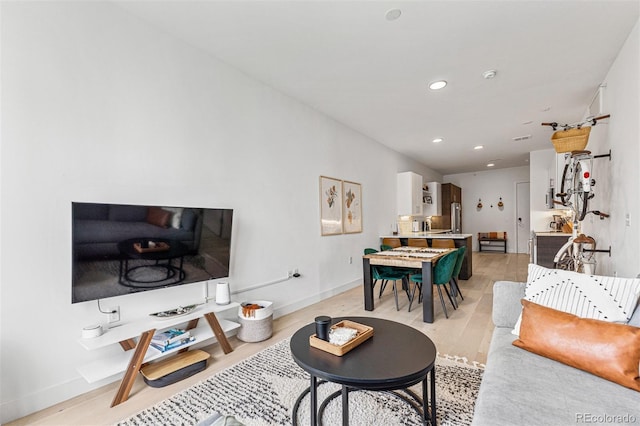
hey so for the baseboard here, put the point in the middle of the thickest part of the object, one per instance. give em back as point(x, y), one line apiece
point(295, 306)
point(45, 398)
point(17, 408)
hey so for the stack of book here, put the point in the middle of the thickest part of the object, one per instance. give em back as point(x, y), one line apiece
point(171, 339)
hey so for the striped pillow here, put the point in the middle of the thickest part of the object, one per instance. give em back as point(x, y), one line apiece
point(609, 299)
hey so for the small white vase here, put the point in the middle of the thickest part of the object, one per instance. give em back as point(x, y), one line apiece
point(223, 296)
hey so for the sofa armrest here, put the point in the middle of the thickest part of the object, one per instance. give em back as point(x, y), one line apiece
point(506, 302)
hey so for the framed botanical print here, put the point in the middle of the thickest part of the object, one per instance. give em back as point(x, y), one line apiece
point(330, 206)
point(352, 207)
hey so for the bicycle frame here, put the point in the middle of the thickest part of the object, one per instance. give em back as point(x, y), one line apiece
point(577, 182)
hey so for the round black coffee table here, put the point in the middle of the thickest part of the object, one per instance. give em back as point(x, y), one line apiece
point(161, 259)
point(395, 358)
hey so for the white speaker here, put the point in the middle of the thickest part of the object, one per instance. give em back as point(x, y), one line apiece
point(223, 296)
point(91, 331)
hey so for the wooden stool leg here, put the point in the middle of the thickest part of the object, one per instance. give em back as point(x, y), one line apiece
point(217, 330)
point(134, 366)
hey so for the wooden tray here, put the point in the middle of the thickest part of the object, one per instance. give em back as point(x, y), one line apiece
point(158, 247)
point(364, 333)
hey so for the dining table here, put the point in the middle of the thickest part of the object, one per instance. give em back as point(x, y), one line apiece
point(423, 258)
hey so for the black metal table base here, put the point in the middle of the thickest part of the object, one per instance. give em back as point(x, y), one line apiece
point(174, 274)
point(419, 405)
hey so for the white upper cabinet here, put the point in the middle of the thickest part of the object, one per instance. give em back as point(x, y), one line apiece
point(409, 200)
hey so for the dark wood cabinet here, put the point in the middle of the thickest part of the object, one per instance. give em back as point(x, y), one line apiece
point(450, 194)
point(546, 248)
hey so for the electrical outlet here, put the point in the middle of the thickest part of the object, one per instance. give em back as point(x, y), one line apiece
point(114, 314)
point(350, 260)
point(627, 219)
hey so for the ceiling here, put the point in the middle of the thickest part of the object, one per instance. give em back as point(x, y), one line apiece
point(345, 59)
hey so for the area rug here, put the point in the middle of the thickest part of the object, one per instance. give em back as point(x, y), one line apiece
point(262, 390)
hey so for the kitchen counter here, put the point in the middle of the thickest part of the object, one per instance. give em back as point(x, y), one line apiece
point(552, 234)
point(431, 234)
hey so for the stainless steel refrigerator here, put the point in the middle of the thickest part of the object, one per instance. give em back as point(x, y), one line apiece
point(456, 218)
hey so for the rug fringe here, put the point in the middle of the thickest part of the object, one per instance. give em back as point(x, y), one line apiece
point(462, 360)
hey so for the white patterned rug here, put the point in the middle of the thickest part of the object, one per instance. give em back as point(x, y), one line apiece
point(262, 390)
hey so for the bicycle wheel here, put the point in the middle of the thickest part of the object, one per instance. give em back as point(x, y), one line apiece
point(565, 184)
point(564, 258)
point(581, 197)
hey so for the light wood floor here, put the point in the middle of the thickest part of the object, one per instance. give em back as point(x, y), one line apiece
point(466, 333)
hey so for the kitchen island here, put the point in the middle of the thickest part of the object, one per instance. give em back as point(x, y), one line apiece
point(460, 240)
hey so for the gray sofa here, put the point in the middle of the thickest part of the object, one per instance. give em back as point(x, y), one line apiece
point(522, 388)
point(98, 228)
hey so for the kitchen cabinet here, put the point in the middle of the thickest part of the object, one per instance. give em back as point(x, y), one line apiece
point(450, 194)
point(409, 198)
point(431, 196)
point(546, 246)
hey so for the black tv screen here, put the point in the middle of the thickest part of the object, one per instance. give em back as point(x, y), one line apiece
point(122, 248)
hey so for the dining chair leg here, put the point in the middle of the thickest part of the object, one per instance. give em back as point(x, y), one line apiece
point(395, 294)
point(382, 287)
point(444, 308)
point(417, 286)
point(455, 287)
point(454, 302)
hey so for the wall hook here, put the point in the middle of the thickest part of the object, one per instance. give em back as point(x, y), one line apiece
point(500, 203)
point(479, 206)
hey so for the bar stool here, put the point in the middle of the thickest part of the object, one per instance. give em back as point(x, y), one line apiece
point(417, 242)
point(440, 243)
point(392, 242)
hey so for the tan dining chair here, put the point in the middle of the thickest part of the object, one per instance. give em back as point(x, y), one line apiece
point(438, 243)
point(391, 242)
point(418, 242)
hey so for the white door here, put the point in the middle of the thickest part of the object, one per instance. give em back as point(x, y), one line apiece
point(522, 217)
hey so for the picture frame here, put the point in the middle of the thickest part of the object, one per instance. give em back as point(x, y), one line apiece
point(352, 207)
point(330, 206)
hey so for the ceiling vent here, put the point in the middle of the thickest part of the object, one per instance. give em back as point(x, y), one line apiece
point(521, 138)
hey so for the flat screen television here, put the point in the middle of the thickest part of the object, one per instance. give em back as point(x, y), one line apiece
point(122, 248)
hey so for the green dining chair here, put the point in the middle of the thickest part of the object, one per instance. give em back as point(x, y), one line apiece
point(455, 288)
point(442, 273)
point(394, 276)
point(384, 247)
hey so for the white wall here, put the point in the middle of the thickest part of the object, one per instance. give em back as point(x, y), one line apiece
point(489, 186)
point(617, 191)
point(98, 106)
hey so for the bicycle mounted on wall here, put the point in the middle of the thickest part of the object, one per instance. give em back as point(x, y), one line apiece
point(575, 192)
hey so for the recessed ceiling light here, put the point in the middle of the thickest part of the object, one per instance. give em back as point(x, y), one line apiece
point(478, 147)
point(488, 75)
point(490, 165)
point(437, 140)
point(393, 14)
point(437, 85)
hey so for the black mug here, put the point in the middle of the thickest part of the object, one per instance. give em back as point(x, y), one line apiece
point(322, 327)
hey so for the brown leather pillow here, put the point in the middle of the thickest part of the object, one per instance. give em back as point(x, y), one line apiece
point(159, 217)
point(608, 350)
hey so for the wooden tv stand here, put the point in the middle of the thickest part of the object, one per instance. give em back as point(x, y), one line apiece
point(137, 335)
